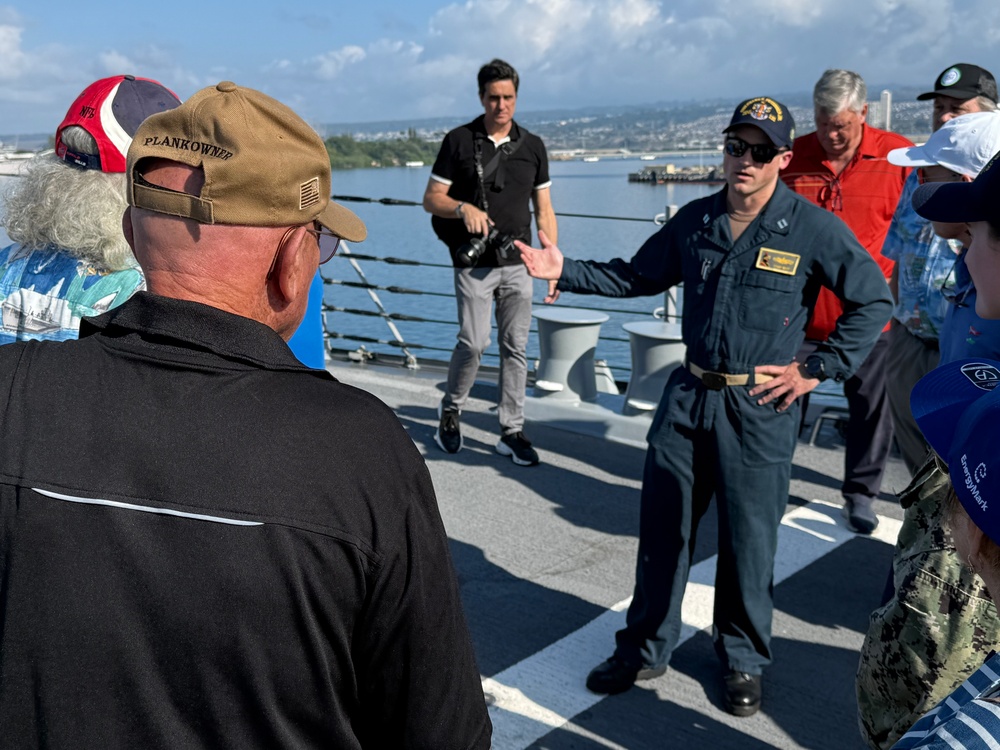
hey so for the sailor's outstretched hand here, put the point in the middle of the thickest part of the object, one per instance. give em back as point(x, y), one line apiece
point(553, 294)
point(545, 263)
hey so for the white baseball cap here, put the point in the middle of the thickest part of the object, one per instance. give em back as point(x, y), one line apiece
point(964, 144)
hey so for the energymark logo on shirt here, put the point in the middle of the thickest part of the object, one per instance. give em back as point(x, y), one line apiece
point(778, 261)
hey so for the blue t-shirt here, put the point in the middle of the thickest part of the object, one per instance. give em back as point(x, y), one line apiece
point(964, 333)
point(307, 344)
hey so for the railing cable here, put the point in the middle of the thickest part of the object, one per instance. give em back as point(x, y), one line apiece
point(411, 361)
point(400, 202)
point(397, 341)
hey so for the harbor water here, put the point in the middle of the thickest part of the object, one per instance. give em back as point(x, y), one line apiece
point(588, 189)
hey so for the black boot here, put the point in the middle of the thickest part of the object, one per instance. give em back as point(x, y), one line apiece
point(743, 693)
point(616, 675)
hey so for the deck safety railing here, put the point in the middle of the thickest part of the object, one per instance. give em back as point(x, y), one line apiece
point(347, 271)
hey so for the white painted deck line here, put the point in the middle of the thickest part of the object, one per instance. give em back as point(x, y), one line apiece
point(546, 690)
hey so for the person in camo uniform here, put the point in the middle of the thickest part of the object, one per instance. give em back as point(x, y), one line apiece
point(934, 632)
point(939, 621)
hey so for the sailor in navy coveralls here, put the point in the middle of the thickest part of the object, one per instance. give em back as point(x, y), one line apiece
point(752, 259)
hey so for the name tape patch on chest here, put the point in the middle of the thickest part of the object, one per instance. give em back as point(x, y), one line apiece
point(778, 261)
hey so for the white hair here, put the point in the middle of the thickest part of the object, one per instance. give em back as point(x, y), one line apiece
point(76, 210)
point(985, 103)
point(837, 90)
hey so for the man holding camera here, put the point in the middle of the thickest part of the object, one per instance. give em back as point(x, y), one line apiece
point(480, 186)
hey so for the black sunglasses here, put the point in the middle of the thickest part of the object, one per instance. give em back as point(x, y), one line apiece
point(762, 153)
point(328, 242)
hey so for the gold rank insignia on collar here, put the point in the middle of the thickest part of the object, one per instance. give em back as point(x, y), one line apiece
point(778, 261)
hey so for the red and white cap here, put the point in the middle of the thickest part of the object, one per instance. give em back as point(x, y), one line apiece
point(111, 110)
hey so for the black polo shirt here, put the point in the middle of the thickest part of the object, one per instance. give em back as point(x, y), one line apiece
point(204, 543)
point(508, 188)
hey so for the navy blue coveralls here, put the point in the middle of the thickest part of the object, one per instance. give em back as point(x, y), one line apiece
point(745, 304)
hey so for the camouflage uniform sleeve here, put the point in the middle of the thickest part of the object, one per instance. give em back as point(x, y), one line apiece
point(933, 633)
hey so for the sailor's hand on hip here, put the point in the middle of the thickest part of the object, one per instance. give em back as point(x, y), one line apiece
point(545, 263)
point(786, 384)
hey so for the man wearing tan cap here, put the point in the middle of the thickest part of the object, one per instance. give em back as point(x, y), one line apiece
point(205, 543)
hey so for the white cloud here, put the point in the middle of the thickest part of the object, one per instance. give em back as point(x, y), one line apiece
point(331, 64)
point(569, 53)
point(787, 12)
point(13, 61)
point(115, 63)
point(38, 82)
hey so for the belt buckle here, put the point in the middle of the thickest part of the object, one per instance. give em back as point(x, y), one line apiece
point(714, 381)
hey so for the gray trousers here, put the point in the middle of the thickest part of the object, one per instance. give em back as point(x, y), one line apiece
point(476, 289)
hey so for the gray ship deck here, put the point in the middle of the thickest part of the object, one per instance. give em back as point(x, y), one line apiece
point(545, 560)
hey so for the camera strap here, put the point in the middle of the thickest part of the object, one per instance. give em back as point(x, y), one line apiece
point(496, 164)
point(481, 173)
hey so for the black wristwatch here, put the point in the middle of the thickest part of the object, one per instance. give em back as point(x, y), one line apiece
point(814, 367)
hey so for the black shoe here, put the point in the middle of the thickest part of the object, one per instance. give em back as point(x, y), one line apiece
point(860, 516)
point(743, 693)
point(617, 675)
point(518, 447)
point(448, 436)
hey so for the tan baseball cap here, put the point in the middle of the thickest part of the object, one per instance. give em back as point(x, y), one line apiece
point(263, 165)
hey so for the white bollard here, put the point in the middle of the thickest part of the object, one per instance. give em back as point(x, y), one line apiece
point(657, 350)
point(567, 339)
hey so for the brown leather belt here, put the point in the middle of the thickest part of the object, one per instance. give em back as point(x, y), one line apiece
point(716, 381)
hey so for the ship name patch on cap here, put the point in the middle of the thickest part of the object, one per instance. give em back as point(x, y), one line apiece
point(982, 375)
point(763, 108)
point(778, 261)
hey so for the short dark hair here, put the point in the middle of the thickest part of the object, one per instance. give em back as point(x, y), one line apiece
point(497, 70)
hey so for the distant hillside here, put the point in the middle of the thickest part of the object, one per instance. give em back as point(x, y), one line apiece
point(656, 127)
point(662, 126)
point(348, 153)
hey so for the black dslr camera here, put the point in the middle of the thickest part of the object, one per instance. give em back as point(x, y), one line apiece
point(496, 240)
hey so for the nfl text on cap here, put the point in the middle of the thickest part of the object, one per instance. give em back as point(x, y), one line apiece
point(111, 110)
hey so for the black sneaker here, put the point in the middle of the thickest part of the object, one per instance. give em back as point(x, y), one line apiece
point(448, 436)
point(518, 447)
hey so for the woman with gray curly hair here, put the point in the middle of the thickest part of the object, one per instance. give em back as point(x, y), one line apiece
point(69, 259)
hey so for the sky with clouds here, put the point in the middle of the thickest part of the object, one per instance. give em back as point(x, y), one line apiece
point(368, 60)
